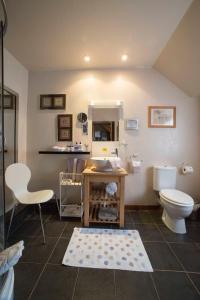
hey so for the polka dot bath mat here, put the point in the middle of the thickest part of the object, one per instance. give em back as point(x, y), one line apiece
point(107, 249)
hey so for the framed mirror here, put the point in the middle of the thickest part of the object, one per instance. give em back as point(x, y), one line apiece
point(103, 131)
point(105, 124)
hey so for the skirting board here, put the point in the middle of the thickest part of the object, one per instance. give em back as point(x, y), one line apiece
point(141, 207)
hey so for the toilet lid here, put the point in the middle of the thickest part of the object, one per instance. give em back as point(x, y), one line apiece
point(177, 197)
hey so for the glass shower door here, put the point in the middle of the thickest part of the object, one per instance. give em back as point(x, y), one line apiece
point(3, 28)
point(2, 185)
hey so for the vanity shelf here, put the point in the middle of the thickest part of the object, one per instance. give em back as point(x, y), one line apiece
point(94, 214)
point(52, 151)
point(99, 196)
point(96, 198)
point(69, 182)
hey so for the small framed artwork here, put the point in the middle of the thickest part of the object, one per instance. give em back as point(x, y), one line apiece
point(65, 134)
point(59, 101)
point(53, 101)
point(161, 116)
point(65, 121)
point(65, 127)
point(46, 102)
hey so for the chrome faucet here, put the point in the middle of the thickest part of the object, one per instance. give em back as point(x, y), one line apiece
point(116, 152)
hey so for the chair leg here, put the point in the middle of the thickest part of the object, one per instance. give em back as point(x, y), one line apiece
point(57, 203)
point(42, 223)
point(11, 218)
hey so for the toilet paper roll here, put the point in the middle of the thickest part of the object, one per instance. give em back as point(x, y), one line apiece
point(187, 170)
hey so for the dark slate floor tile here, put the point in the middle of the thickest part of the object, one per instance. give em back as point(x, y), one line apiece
point(33, 228)
point(58, 253)
point(194, 218)
point(69, 227)
point(141, 217)
point(157, 215)
point(63, 277)
point(174, 286)
point(14, 240)
point(36, 217)
point(50, 208)
point(128, 217)
point(171, 236)
point(134, 285)
point(196, 279)
point(26, 275)
point(54, 228)
point(189, 255)
point(36, 251)
point(128, 226)
point(27, 229)
point(94, 284)
point(149, 232)
point(194, 232)
point(161, 257)
point(57, 282)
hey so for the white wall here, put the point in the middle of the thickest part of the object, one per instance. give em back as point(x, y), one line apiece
point(137, 89)
point(179, 61)
point(16, 79)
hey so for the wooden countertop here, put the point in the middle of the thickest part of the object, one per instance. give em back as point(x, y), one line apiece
point(90, 172)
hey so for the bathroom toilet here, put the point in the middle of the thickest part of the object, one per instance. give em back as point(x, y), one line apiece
point(176, 204)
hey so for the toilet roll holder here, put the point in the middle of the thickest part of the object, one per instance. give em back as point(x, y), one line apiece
point(186, 168)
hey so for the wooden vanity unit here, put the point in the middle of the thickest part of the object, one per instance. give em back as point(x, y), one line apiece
point(95, 197)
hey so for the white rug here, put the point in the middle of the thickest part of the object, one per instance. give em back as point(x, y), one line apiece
point(107, 249)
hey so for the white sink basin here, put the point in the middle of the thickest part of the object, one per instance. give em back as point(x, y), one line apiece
point(108, 163)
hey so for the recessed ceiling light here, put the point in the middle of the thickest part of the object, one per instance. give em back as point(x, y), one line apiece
point(87, 58)
point(124, 57)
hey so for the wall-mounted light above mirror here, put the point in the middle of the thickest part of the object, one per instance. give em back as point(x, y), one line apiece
point(106, 104)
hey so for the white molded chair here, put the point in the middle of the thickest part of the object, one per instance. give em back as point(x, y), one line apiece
point(17, 177)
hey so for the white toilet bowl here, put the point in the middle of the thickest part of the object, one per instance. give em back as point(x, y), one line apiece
point(176, 207)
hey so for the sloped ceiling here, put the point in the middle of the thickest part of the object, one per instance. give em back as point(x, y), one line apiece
point(180, 59)
point(55, 35)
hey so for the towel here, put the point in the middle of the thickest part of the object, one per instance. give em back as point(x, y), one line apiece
point(10, 257)
point(111, 188)
point(80, 166)
point(70, 165)
point(75, 166)
point(115, 163)
point(70, 168)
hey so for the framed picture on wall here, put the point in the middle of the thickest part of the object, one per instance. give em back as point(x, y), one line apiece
point(65, 127)
point(59, 101)
point(161, 116)
point(65, 134)
point(53, 101)
point(65, 121)
point(46, 102)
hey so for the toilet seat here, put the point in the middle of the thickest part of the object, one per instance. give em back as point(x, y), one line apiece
point(176, 197)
